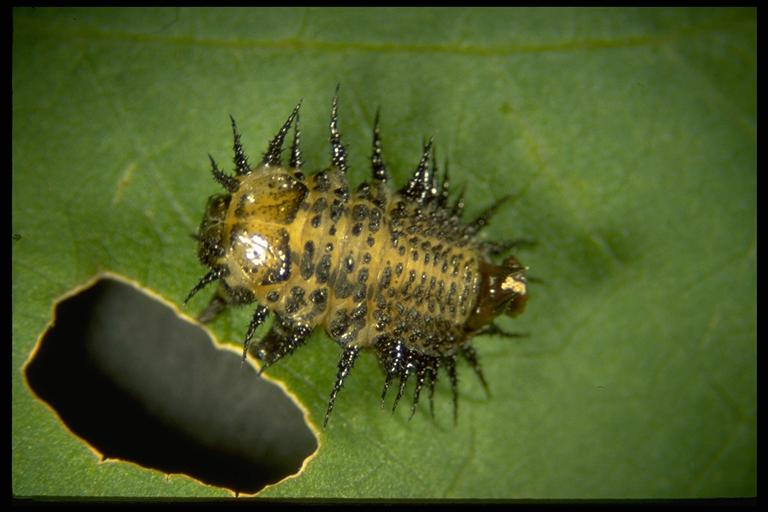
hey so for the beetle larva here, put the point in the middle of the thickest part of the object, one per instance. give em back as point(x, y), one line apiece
point(395, 272)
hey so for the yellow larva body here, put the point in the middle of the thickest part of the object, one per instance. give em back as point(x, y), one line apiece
point(395, 272)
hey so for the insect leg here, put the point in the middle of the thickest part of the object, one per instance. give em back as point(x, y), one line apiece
point(282, 339)
point(503, 246)
point(494, 329)
point(259, 315)
point(217, 304)
point(471, 356)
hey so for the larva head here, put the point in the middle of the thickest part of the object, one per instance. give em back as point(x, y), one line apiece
point(247, 229)
point(503, 290)
point(240, 237)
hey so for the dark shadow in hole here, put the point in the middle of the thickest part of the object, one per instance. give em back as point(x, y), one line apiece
point(138, 383)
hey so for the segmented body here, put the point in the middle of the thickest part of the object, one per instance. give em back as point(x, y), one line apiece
point(396, 272)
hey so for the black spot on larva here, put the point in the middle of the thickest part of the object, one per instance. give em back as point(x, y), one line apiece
point(349, 263)
point(337, 209)
point(341, 193)
point(323, 269)
point(306, 267)
point(343, 288)
point(386, 277)
point(359, 292)
point(359, 212)
point(375, 220)
point(359, 312)
point(321, 182)
point(267, 236)
point(240, 295)
point(339, 323)
point(319, 297)
point(319, 205)
point(281, 269)
point(382, 318)
point(295, 301)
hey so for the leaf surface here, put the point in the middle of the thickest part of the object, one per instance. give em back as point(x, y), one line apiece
point(627, 136)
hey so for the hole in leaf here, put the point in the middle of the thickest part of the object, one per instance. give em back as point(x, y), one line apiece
point(138, 383)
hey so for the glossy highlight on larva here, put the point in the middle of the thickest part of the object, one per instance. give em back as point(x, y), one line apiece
point(394, 272)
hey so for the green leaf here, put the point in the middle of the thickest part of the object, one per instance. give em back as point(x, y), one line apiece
point(628, 137)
